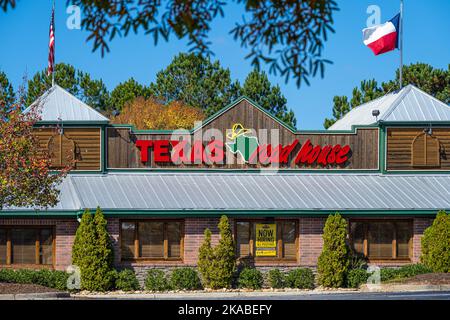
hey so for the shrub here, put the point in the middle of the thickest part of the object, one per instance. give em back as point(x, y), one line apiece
point(403, 272)
point(250, 278)
point(185, 279)
point(436, 244)
point(357, 277)
point(126, 281)
point(300, 278)
point(156, 280)
point(276, 279)
point(217, 265)
point(44, 277)
point(333, 262)
point(92, 252)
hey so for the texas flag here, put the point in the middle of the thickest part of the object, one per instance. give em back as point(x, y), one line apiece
point(383, 37)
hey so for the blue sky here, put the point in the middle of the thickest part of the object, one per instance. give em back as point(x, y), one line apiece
point(426, 38)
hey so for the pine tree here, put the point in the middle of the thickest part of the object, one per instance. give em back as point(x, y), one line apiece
point(436, 244)
point(333, 262)
point(217, 265)
point(205, 255)
point(92, 252)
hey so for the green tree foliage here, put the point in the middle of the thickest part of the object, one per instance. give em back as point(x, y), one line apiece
point(431, 80)
point(7, 95)
point(80, 84)
point(436, 244)
point(196, 81)
point(217, 265)
point(332, 265)
point(126, 92)
point(258, 88)
point(92, 252)
point(287, 35)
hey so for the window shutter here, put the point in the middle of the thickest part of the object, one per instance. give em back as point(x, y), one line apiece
point(425, 150)
point(61, 150)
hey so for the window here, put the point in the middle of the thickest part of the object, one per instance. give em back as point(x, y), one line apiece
point(26, 246)
point(382, 239)
point(153, 240)
point(267, 240)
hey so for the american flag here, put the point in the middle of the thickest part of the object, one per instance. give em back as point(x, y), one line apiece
point(51, 45)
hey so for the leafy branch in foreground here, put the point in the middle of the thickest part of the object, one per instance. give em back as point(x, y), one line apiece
point(287, 35)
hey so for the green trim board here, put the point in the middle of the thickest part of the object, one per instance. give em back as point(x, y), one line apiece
point(218, 212)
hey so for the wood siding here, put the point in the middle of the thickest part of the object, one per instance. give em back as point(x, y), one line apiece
point(401, 151)
point(123, 153)
point(87, 145)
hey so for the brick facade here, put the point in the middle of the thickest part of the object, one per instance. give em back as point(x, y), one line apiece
point(310, 241)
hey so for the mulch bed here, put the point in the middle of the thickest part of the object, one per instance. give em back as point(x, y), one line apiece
point(427, 278)
point(16, 288)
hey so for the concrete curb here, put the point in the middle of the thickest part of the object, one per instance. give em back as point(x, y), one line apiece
point(217, 295)
point(35, 296)
point(404, 288)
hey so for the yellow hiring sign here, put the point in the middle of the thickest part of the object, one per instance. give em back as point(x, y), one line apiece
point(266, 239)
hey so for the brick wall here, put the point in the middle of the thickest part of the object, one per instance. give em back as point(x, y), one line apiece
point(310, 240)
point(420, 224)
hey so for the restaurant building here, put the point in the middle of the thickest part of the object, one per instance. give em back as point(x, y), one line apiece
point(384, 166)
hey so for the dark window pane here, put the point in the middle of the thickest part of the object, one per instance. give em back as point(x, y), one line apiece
point(46, 246)
point(127, 240)
point(288, 237)
point(357, 236)
point(2, 246)
point(404, 234)
point(23, 246)
point(151, 239)
point(243, 239)
point(174, 238)
point(381, 235)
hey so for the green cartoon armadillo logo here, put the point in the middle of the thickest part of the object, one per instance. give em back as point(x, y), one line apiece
point(242, 142)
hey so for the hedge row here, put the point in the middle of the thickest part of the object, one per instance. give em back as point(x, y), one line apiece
point(357, 277)
point(47, 278)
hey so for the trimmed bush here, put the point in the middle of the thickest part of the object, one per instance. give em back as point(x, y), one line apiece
point(300, 278)
point(250, 278)
point(92, 252)
point(276, 279)
point(357, 277)
point(436, 244)
point(156, 280)
point(217, 265)
point(126, 281)
point(407, 271)
point(333, 262)
point(185, 279)
point(43, 277)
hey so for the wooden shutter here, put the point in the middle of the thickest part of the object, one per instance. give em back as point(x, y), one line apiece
point(61, 150)
point(425, 150)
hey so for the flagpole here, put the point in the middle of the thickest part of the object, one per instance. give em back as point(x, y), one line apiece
point(401, 44)
point(53, 69)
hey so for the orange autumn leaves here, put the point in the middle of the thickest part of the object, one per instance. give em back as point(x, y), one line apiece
point(151, 114)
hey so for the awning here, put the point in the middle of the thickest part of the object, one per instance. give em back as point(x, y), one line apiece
point(279, 193)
